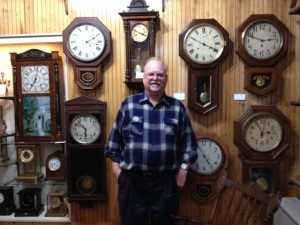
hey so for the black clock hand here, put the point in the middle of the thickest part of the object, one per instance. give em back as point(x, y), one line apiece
point(136, 31)
point(262, 40)
point(203, 43)
point(205, 158)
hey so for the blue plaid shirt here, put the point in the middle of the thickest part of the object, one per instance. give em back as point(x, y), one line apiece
point(150, 138)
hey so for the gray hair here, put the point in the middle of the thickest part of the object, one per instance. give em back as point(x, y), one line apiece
point(158, 60)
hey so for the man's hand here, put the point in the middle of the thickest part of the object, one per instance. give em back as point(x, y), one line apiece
point(181, 177)
point(116, 169)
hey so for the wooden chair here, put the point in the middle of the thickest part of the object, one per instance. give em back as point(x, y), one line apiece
point(238, 204)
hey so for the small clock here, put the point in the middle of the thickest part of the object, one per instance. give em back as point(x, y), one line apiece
point(30, 203)
point(56, 166)
point(56, 206)
point(87, 43)
point(210, 166)
point(29, 165)
point(85, 129)
point(262, 132)
point(7, 205)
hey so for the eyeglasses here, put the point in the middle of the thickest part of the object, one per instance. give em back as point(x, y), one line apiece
point(158, 75)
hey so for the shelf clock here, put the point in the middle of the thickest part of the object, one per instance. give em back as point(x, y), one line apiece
point(140, 27)
point(39, 92)
point(203, 45)
point(261, 41)
point(85, 140)
point(56, 166)
point(30, 203)
point(7, 205)
point(56, 206)
point(210, 167)
point(29, 163)
point(87, 43)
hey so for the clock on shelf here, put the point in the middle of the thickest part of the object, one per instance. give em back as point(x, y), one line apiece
point(87, 43)
point(210, 167)
point(262, 133)
point(30, 202)
point(39, 93)
point(29, 163)
point(261, 41)
point(85, 140)
point(56, 166)
point(203, 45)
point(7, 203)
point(140, 27)
point(56, 206)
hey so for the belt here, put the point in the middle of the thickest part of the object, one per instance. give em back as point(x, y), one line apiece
point(149, 175)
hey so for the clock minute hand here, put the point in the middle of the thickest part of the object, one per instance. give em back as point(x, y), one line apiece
point(205, 158)
point(203, 43)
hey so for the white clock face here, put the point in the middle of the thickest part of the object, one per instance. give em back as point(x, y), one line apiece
point(85, 129)
point(262, 40)
point(55, 202)
point(86, 42)
point(26, 155)
point(210, 157)
point(35, 79)
point(54, 164)
point(2, 198)
point(204, 44)
point(263, 133)
point(139, 33)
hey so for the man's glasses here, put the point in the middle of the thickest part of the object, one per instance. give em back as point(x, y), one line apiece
point(158, 75)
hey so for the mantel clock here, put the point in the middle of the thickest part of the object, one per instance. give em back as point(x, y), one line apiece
point(261, 41)
point(87, 43)
point(203, 45)
point(140, 27)
point(85, 140)
point(39, 92)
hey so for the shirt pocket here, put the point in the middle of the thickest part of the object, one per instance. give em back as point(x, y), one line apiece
point(136, 126)
point(171, 126)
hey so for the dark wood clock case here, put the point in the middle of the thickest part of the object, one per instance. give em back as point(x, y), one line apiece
point(86, 173)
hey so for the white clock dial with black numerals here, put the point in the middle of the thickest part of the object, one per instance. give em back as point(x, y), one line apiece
point(54, 164)
point(35, 79)
point(86, 42)
point(204, 43)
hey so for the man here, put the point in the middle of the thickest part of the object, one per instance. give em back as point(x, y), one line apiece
point(151, 146)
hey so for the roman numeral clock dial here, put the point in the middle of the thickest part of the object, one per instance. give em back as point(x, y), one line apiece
point(203, 44)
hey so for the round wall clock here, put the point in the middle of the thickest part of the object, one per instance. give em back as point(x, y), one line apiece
point(262, 132)
point(209, 167)
point(87, 43)
point(139, 32)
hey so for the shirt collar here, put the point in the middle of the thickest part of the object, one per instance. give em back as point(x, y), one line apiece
point(145, 99)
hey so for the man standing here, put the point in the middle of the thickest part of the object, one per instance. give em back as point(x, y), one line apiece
point(151, 146)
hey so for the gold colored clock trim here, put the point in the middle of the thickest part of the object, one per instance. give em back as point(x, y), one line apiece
point(26, 155)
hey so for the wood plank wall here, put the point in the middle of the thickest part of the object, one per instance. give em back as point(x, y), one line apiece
point(48, 16)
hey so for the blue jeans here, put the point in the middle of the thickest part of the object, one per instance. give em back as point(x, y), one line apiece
point(145, 201)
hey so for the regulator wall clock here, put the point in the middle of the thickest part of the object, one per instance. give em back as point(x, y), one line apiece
point(87, 43)
point(262, 132)
point(86, 176)
point(210, 166)
point(39, 93)
point(262, 40)
point(140, 26)
point(203, 44)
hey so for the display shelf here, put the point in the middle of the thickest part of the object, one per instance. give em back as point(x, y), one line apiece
point(40, 218)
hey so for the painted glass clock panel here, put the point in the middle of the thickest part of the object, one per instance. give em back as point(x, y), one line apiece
point(35, 79)
point(37, 116)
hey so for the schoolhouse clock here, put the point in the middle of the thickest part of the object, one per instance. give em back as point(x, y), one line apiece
point(209, 167)
point(140, 26)
point(261, 41)
point(86, 175)
point(29, 163)
point(56, 166)
point(7, 205)
point(87, 43)
point(203, 45)
point(39, 92)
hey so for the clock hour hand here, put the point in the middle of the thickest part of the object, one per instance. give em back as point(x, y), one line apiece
point(203, 43)
point(260, 39)
point(204, 156)
point(35, 79)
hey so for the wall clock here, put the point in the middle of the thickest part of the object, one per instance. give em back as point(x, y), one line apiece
point(140, 27)
point(56, 206)
point(262, 132)
point(7, 205)
point(203, 44)
point(87, 43)
point(210, 166)
point(86, 174)
point(30, 202)
point(262, 40)
point(39, 93)
point(29, 163)
point(56, 166)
